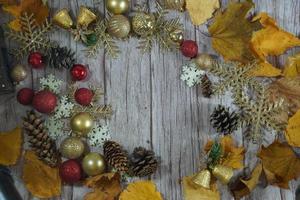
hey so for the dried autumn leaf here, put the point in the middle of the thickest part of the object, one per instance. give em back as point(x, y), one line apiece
point(141, 190)
point(233, 156)
point(192, 191)
point(244, 187)
point(271, 40)
point(35, 7)
point(280, 161)
point(7, 2)
point(289, 90)
point(292, 67)
point(10, 146)
point(231, 32)
point(201, 10)
point(106, 186)
point(292, 133)
point(40, 179)
point(266, 69)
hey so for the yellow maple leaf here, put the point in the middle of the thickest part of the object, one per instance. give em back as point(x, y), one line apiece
point(244, 186)
point(232, 156)
point(141, 190)
point(40, 179)
point(271, 40)
point(231, 32)
point(10, 146)
point(35, 7)
point(280, 163)
point(192, 191)
point(292, 133)
point(266, 69)
point(201, 10)
point(106, 186)
point(292, 67)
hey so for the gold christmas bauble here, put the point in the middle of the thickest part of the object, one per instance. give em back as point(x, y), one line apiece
point(117, 6)
point(177, 36)
point(118, 26)
point(204, 61)
point(72, 147)
point(82, 123)
point(18, 73)
point(143, 23)
point(93, 164)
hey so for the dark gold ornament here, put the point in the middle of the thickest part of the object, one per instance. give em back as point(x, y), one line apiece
point(82, 123)
point(117, 6)
point(143, 23)
point(72, 147)
point(202, 178)
point(18, 73)
point(63, 19)
point(85, 17)
point(177, 36)
point(204, 61)
point(93, 164)
point(118, 26)
point(222, 173)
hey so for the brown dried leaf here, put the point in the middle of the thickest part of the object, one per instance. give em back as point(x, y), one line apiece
point(193, 191)
point(10, 146)
point(292, 67)
point(40, 179)
point(280, 163)
point(292, 133)
point(96, 195)
point(201, 10)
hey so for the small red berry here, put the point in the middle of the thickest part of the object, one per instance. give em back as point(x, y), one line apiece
point(84, 96)
point(44, 101)
point(25, 96)
point(189, 48)
point(36, 60)
point(79, 72)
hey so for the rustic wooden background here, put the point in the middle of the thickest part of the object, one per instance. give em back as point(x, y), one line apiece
point(152, 107)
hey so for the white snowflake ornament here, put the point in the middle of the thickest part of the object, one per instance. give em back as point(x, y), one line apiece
point(98, 135)
point(191, 74)
point(64, 108)
point(50, 83)
point(54, 127)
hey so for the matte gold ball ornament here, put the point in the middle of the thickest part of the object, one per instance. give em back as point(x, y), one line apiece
point(93, 164)
point(117, 6)
point(18, 73)
point(204, 61)
point(82, 123)
point(177, 36)
point(118, 26)
point(143, 23)
point(72, 147)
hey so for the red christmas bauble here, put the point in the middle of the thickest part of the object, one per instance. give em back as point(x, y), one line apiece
point(84, 96)
point(189, 48)
point(25, 96)
point(70, 171)
point(36, 60)
point(79, 72)
point(44, 101)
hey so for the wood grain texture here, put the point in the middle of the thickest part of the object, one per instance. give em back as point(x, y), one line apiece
point(152, 107)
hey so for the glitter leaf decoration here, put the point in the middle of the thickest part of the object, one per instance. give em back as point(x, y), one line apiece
point(201, 10)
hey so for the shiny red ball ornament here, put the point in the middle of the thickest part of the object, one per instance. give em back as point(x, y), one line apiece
point(79, 72)
point(36, 60)
point(44, 101)
point(84, 96)
point(25, 96)
point(70, 171)
point(189, 48)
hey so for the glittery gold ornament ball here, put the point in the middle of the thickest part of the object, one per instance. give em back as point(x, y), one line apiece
point(177, 36)
point(82, 123)
point(143, 23)
point(18, 73)
point(117, 6)
point(118, 26)
point(72, 147)
point(93, 164)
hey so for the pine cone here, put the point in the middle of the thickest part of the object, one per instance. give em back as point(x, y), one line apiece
point(143, 162)
point(206, 86)
point(61, 57)
point(224, 121)
point(115, 156)
point(40, 142)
